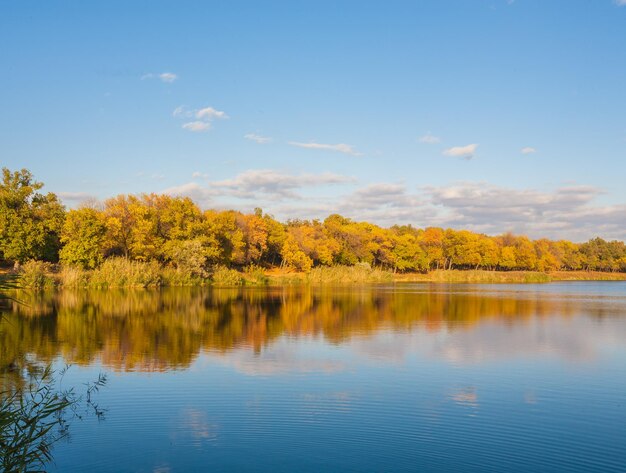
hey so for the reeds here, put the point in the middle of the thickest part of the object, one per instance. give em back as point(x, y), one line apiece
point(36, 275)
point(357, 274)
point(587, 276)
point(121, 272)
point(225, 277)
point(477, 276)
point(255, 276)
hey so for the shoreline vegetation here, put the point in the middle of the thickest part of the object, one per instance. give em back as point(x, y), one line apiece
point(128, 274)
point(154, 240)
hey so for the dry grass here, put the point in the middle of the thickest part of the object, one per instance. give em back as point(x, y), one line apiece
point(476, 276)
point(358, 274)
point(117, 272)
point(586, 276)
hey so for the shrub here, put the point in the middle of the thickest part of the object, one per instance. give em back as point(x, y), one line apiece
point(255, 276)
point(189, 257)
point(171, 276)
point(223, 276)
point(36, 275)
point(71, 276)
point(120, 272)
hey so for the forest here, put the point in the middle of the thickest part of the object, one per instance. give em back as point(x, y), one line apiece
point(172, 232)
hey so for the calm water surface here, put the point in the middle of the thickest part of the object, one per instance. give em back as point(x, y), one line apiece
point(409, 377)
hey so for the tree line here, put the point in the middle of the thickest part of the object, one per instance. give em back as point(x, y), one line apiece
point(174, 231)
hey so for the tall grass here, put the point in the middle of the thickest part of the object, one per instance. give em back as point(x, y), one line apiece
point(255, 276)
point(478, 276)
point(225, 277)
point(587, 276)
point(171, 276)
point(36, 275)
point(71, 276)
point(120, 272)
point(348, 275)
point(280, 278)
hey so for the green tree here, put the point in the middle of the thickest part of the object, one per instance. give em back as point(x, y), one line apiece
point(83, 237)
point(30, 222)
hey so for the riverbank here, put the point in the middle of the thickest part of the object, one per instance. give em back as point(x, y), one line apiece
point(350, 275)
point(483, 276)
point(135, 274)
point(586, 276)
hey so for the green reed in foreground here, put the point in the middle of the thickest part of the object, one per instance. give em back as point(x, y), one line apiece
point(36, 415)
point(34, 419)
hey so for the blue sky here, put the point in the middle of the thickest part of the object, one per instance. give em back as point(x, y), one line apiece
point(491, 115)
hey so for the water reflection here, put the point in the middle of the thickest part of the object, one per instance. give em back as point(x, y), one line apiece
point(167, 329)
point(404, 378)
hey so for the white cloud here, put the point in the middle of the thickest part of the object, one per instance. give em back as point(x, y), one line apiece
point(168, 77)
point(257, 138)
point(620, 3)
point(202, 195)
point(530, 149)
point(570, 212)
point(197, 126)
point(465, 152)
point(255, 187)
point(566, 212)
point(275, 184)
point(209, 113)
point(76, 197)
point(429, 139)
point(203, 117)
point(341, 147)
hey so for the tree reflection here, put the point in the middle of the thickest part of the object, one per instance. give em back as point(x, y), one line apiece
point(159, 330)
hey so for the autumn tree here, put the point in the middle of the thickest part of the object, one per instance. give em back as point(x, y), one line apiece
point(462, 249)
point(314, 241)
point(120, 220)
point(507, 259)
point(548, 255)
point(525, 253)
point(351, 248)
point(407, 254)
point(293, 256)
point(229, 238)
point(254, 233)
point(431, 241)
point(276, 235)
point(489, 252)
point(570, 255)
